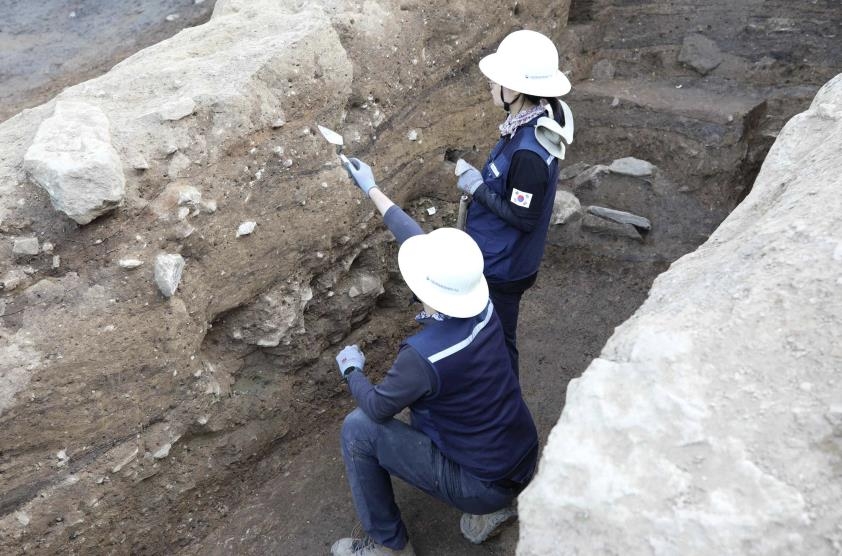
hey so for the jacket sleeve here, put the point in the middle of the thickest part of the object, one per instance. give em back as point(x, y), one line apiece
point(409, 379)
point(401, 224)
point(527, 174)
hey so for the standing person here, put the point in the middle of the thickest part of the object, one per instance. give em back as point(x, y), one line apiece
point(472, 442)
point(513, 195)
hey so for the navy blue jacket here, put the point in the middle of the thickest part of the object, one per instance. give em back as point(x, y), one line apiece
point(475, 415)
point(455, 375)
point(511, 211)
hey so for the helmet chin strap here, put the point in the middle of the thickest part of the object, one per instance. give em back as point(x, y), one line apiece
point(507, 105)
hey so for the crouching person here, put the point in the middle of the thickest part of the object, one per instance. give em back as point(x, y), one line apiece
point(472, 442)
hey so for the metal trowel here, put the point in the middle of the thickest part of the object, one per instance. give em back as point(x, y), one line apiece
point(335, 139)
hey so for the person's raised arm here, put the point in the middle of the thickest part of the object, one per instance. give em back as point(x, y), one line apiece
point(398, 222)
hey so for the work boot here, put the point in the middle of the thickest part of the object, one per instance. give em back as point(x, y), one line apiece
point(479, 528)
point(367, 547)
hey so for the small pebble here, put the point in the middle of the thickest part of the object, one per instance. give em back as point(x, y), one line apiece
point(246, 228)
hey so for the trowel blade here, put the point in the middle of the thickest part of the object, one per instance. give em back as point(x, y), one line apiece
point(331, 136)
point(462, 167)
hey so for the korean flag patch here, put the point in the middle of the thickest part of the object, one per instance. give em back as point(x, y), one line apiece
point(521, 198)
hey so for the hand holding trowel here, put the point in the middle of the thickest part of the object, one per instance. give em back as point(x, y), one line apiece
point(335, 139)
point(357, 170)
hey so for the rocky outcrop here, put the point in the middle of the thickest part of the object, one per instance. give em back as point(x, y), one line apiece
point(711, 422)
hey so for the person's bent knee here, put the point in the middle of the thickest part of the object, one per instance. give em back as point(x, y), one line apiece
point(357, 428)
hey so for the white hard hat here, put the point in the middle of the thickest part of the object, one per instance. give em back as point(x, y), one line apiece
point(526, 62)
point(444, 270)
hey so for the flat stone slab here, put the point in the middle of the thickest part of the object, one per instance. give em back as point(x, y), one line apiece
point(26, 246)
point(621, 217)
point(630, 166)
point(603, 226)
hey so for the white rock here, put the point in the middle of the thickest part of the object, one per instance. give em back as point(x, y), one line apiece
point(47, 247)
point(177, 109)
point(246, 228)
point(631, 166)
point(565, 206)
point(163, 451)
point(168, 269)
point(412, 135)
point(431, 210)
point(61, 455)
point(129, 263)
point(189, 195)
point(621, 217)
point(26, 246)
point(138, 162)
point(172, 17)
point(72, 158)
point(56, 261)
point(127, 459)
point(12, 279)
point(209, 206)
point(23, 518)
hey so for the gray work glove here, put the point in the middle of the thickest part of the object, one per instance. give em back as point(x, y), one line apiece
point(362, 174)
point(349, 358)
point(470, 178)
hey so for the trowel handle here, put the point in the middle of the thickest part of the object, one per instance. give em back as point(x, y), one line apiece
point(346, 164)
point(462, 215)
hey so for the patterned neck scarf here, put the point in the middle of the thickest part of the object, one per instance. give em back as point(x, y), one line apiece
point(514, 121)
point(424, 315)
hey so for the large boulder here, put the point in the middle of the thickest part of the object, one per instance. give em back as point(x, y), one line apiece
point(711, 422)
point(72, 158)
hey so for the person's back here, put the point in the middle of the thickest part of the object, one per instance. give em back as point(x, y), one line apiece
point(476, 416)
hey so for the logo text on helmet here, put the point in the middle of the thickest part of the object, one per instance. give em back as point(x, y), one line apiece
point(442, 286)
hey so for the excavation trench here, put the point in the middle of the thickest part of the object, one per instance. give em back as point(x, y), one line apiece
point(292, 499)
point(242, 455)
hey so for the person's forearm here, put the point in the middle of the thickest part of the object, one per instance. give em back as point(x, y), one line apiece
point(399, 223)
point(380, 200)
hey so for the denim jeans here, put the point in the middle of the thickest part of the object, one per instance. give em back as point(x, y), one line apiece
point(507, 305)
point(374, 451)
